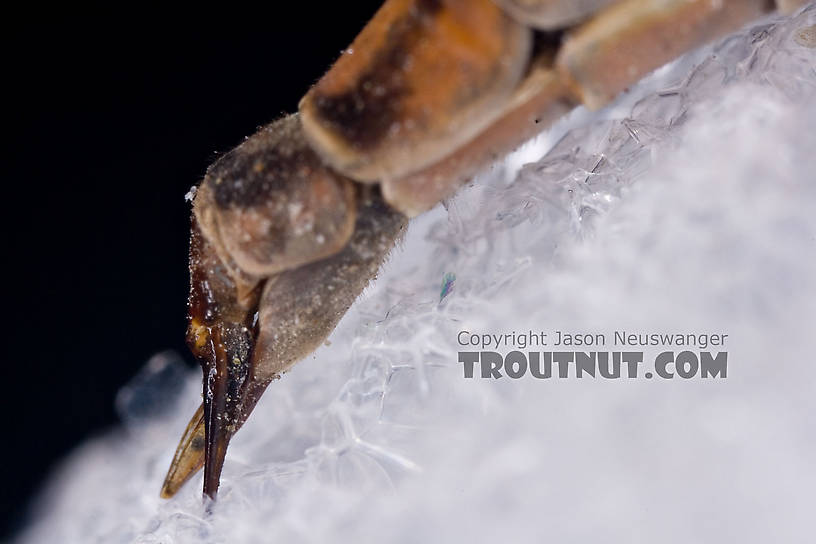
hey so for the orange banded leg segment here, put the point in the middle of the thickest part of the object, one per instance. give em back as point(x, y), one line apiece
point(422, 78)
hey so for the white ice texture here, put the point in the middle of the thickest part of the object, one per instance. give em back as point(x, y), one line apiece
point(687, 206)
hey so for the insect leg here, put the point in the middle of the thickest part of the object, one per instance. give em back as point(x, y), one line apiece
point(626, 41)
point(422, 78)
point(551, 14)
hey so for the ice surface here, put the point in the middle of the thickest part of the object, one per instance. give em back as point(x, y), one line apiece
point(686, 206)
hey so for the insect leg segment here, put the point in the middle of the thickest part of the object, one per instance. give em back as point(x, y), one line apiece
point(551, 14)
point(538, 101)
point(789, 6)
point(301, 307)
point(421, 79)
point(271, 205)
point(626, 41)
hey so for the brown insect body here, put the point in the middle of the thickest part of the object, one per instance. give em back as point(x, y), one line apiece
point(291, 225)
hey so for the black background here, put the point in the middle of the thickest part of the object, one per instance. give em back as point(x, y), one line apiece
point(112, 117)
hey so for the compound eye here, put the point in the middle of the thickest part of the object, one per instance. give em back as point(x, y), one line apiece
point(271, 204)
